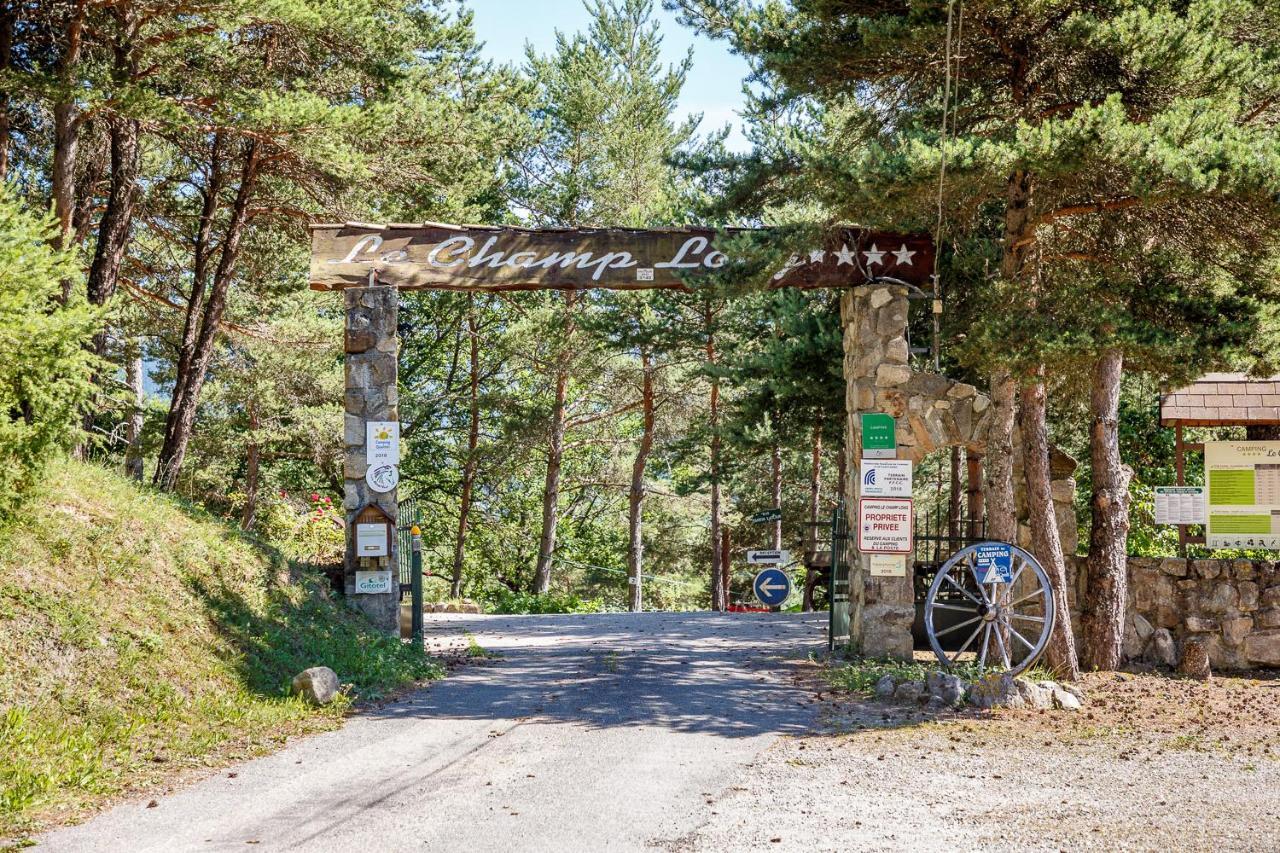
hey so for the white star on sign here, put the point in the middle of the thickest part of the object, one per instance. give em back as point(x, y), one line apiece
point(844, 256)
point(817, 256)
point(875, 256)
point(903, 256)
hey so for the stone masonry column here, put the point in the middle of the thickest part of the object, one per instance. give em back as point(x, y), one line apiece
point(876, 355)
point(372, 352)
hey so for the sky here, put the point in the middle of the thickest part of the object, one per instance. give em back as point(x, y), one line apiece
point(714, 85)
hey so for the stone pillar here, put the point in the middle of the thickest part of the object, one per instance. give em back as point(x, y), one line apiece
point(875, 367)
point(372, 352)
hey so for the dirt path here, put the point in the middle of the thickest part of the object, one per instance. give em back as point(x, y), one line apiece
point(1151, 764)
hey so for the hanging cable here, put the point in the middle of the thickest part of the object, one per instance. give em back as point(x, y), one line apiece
point(953, 29)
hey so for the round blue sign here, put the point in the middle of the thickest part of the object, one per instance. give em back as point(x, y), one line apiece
point(772, 587)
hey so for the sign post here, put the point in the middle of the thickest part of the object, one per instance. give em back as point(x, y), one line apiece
point(764, 516)
point(1243, 485)
point(772, 587)
point(768, 558)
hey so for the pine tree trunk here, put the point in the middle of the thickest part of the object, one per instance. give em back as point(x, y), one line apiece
point(725, 554)
point(815, 475)
point(188, 384)
point(133, 433)
point(251, 475)
point(974, 504)
point(555, 458)
point(8, 16)
point(635, 547)
point(473, 441)
point(719, 589)
point(1104, 609)
point(1045, 543)
point(775, 471)
point(1002, 513)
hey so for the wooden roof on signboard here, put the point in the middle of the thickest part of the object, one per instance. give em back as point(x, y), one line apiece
point(1223, 399)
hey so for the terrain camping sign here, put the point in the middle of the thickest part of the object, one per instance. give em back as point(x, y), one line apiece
point(993, 562)
point(772, 587)
point(766, 558)
point(886, 478)
point(1243, 482)
point(884, 525)
point(472, 257)
point(879, 436)
point(766, 515)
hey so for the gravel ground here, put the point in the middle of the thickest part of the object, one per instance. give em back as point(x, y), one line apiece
point(1152, 763)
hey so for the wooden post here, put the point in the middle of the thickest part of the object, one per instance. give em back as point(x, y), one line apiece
point(1180, 480)
point(975, 508)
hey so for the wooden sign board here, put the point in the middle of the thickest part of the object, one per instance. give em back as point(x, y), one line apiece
point(448, 257)
point(373, 531)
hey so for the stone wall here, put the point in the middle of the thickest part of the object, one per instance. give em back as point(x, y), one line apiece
point(1234, 605)
point(372, 353)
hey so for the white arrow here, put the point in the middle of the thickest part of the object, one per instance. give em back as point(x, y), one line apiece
point(767, 587)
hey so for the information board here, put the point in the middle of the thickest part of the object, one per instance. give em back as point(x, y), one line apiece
point(1243, 483)
point(1180, 505)
point(879, 436)
point(885, 478)
point(993, 562)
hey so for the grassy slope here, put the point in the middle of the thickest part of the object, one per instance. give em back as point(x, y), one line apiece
point(140, 637)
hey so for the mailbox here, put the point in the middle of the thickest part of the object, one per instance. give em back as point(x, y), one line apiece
point(374, 528)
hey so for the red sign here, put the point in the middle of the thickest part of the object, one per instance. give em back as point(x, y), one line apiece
point(885, 525)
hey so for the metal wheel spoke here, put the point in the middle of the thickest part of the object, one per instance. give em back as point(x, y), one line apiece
point(1026, 597)
point(1039, 619)
point(940, 606)
point(966, 644)
point(963, 591)
point(956, 626)
point(1015, 633)
point(1004, 653)
point(986, 643)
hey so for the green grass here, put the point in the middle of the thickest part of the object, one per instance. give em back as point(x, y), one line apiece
point(143, 637)
point(859, 674)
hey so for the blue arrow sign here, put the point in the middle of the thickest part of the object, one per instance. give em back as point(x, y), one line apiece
point(772, 587)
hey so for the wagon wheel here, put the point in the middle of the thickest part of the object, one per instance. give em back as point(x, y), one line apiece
point(1006, 624)
point(818, 590)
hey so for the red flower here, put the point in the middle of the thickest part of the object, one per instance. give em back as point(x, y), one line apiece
point(314, 496)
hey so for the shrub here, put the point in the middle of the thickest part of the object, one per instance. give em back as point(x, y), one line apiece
point(46, 368)
point(506, 601)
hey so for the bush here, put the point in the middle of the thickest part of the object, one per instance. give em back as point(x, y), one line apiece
point(506, 601)
point(46, 368)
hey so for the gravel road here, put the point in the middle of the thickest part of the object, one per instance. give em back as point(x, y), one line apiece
point(582, 733)
point(713, 733)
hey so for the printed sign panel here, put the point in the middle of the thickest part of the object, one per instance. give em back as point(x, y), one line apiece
point(879, 436)
point(888, 566)
point(371, 540)
point(1243, 483)
point(382, 443)
point(884, 525)
point(767, 515)
point(765, 558)
point(885, 478)
point(370, 583)
point(993, 562)
point(1180, 505)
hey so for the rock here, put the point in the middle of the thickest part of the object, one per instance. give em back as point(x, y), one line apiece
point(1162, 650)
point(892, 374)
point(1201, 625)
point(1074, 691)
point(1064, 701)
point(909, 691)
point(1195, 659)
point(1033, 694)
point(947, 688)
point(885, 687)
point(1263, 647)
point(996, 691)
point(1235, 630)
point(1143, 628)
point(1131, 645)
point(318, 685)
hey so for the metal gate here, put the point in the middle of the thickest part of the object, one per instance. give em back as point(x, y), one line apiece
point(404, 540)
point(838, 611)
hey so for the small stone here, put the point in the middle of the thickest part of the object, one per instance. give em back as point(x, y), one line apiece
point(1064, 701)
point(1263, 647)
point(892, 374)
point(1195, 659)
point(1201, 625)
point(1143, 627)
point(996, 691)
point(947, 688)
point(1074, 691)
point(1033, 694)
point(880, 297)
point(1162, 650)
point(1235, 630)
point(1175, 566)
point(318, 685)
point(909, 691)
point(1248, 596)
point(885, 687)
point(961, 391)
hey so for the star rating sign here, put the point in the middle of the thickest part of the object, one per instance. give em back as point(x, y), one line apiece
point(817, 256)
point(844, 256)
point(874, 256)
point(903, 256)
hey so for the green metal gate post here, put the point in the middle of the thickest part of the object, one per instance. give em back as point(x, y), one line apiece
point(415, 618)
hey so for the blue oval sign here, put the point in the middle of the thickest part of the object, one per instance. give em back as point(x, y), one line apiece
point(772, 587)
